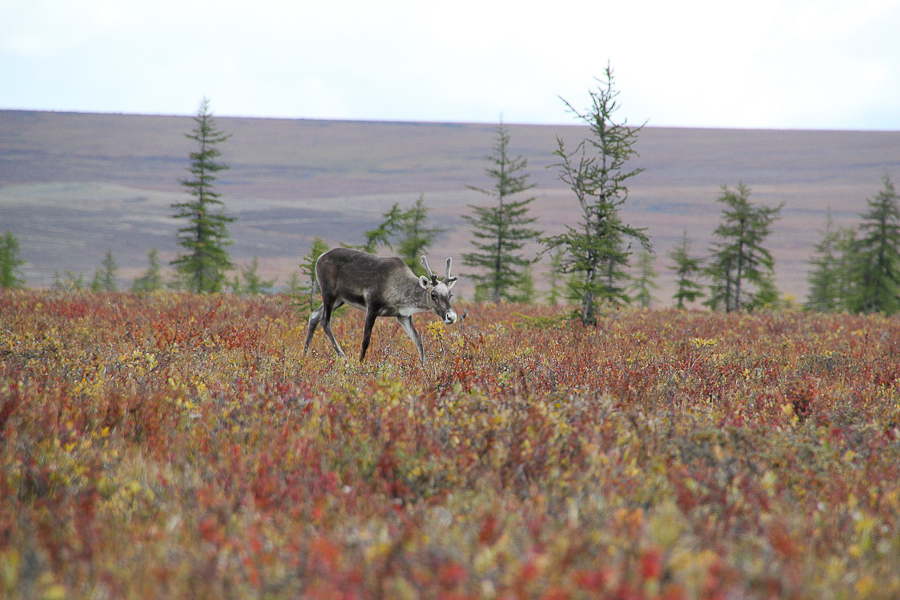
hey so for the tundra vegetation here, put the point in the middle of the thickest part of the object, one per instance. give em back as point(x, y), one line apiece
point(173, 445)
point(165, 444)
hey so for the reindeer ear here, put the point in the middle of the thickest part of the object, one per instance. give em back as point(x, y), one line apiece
point(424, 282)
point(451, 282)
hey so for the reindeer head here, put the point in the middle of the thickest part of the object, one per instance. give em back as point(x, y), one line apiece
point(439, 292)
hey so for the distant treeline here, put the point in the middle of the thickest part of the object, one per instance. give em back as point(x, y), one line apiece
point(598, 262)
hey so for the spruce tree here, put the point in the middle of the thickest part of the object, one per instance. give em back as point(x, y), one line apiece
point(151, 280)
point(417, 234)
point(877, 277)
point(72, 281)
point(645, 281)
point(389, 228)
point(203, 261)
point(597, 251)
point(293, 287)
point(741, 268)
point(847, 267)
point(11, 276)
point(306, 292)
point(250, 281)
point(409, 229)
point(555, 276)
point(825, 278)
point(105, 277)
point(687, 268)
point(501, 229)
point(527, 292)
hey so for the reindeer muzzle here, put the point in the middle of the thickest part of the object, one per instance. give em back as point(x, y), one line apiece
point(450, 317)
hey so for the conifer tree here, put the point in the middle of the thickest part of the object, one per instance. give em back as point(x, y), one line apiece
point(388, 229)
point(417, 234)
point(501, 229)
point(151, 280)
point(527, 292)
point(70, 281)
point(597, 251)
point(409, 229)
point(847, 267)
point(877, 277)
point(767, 295)
point(741, 268)
point(306, 293)
point(250, 281)
point(105, 277)
point(645, 281)
point(293, 286)
point(687, 268)
point(555, 276)
point(825, 278)
point(11, 276)
point(203, 261)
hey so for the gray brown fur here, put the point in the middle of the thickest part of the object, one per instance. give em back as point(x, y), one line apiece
point(382, 287)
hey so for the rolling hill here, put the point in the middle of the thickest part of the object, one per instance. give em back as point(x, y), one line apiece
point(73, 186)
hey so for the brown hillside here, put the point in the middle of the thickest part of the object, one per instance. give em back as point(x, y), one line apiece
point(74, 185)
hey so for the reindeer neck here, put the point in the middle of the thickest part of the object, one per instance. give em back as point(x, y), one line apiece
point(419, 296)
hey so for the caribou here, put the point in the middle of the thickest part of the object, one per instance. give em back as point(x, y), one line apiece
point(382, 287)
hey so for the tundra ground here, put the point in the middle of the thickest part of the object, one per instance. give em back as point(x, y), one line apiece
point(177, 446)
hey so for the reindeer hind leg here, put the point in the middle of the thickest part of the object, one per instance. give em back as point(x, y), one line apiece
point(314, 319)
point(326, 325)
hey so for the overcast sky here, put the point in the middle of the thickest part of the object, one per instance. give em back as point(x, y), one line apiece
point(822, 64)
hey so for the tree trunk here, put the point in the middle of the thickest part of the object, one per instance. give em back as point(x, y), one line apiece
point(587, 302)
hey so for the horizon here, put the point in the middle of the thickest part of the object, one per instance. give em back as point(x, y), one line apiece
point(648, 125)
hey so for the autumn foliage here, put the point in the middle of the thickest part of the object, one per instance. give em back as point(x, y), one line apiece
point(181, 446)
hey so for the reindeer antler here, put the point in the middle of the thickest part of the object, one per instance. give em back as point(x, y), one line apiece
point(447, 278)
point(432, 276)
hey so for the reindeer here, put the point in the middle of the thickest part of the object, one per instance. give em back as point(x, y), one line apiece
point(383, 287)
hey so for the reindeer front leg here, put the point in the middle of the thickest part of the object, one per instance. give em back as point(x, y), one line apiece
point(410, 329)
